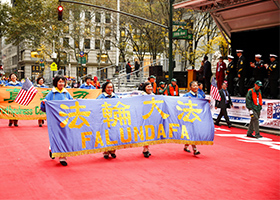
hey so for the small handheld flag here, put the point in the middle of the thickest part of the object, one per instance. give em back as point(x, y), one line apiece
point(214, 92)
point(26, 94)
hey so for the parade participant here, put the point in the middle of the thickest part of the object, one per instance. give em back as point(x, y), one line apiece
point(273, 76)
point(14, 83)
point(75, 84)
point(58, 92)
point(172, 88)
point(207, 73)
point(128, 70)
point(223, 104)
point(220, 72)
point(231, 72)
point(137, 67)
point(193, 93)
point(108, 92)
point(241, 72)
point(152, 79)
point(87, 84)
point(40, 83)
point(258, 65)
point(200, 90)
point(95, 82)
point(162, 89)
point(147, 90)
point(254, 104)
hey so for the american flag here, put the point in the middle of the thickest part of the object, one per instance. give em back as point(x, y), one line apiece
point(26, 94)
point(214, 92)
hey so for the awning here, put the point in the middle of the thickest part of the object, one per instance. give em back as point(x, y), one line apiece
point(238, 15)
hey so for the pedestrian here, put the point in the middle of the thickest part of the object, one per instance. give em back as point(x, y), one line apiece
point(254, 104)
point(162, 89)
point(172, 88)
point(220, 72)
point(58, 92)
point(259, 70)
point(273, 76)
point(223, 104)
point(200, 90)
point(230, 74)
point(147, 90)
point(87, 84)
point(41, 84)
point(207, 74)
point(75, 84)
point(13, 83)
point(152, 80)
point(108, 92)
point(193, 93)
point(95, 82)
point(128, 71)
point(137, 67)
point(241, 73)
point(200, 75)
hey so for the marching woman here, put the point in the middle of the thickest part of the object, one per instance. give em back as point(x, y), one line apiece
point(108, 92)
point(87, 84)
point(14, 83)
point(40, 83)
point(147, 90)
point(57, 93)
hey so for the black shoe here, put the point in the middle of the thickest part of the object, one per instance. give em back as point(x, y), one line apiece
point(106, 156)
point(258, 136)
point(10, 124)
point(40, 125)
point(15, 125)
point(229, 125)
point(113, 155)
point(187, 150)
point(250, 135)
point(196, 153)
point(146, 154)
point(63, 163)
point(50, 154)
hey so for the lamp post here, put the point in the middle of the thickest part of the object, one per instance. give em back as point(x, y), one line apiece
point(170, 28)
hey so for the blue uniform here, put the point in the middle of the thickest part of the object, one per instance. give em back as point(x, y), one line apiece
point(86, 86)
point(56, 95)
point(41, 86)
point(104, 95)
point(15, 84)
point(193, 95)
point(201, 93)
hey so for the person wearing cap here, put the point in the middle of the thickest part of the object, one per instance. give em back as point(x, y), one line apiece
point(95, 82)
point(254, 104)
point(207, 73)
point(162, 90)
point(220, 72)
point(241, 73)
point(193, 93)
point(87, 84)
point(152, 79)
point(172, 88)
point(259, 70)
point(273, 76)
point(223, 104)
point(231, 72)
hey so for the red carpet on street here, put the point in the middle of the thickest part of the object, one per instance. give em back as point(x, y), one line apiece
point(235, 167)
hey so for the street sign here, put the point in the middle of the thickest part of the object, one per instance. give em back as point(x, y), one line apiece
point(188, 37)
point(179, 23)
point(82, 60)
point(53, 66)
point(180, 32)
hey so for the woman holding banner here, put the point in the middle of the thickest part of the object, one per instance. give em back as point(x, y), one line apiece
point(14, 83)
point(57, 93)
point(108, 92)
point(40, 83)
point(148, 90)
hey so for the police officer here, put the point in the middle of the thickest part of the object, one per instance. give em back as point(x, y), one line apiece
point(273, 75)
point(258, 66)
point(241, 72)
point(231, 72)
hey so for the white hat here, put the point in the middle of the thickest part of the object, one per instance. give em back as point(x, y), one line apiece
point(230, 56)
point(272, 55)
point(239, 51)
point(258, 55)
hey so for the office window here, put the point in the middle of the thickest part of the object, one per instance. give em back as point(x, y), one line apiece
point(76, 14)
point(98, 17)
point(87, 15)
point(108, 18)
point(97, 44)
point(97, 30)
point(107, 44)
point(107, 31)
point(87, 29)
point(76, 43)
point(87, 43)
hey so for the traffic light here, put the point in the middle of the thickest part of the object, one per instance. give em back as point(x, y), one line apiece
point(60, 10)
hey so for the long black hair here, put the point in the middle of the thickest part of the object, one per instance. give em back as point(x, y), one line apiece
point(105, 85)
point(57, 78)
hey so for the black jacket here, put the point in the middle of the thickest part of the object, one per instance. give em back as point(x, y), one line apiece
point(222, 104)
point(207, 69)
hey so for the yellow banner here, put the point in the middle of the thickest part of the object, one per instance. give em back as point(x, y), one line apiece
point(11, 110)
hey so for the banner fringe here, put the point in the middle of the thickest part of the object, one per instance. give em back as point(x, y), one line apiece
point(99, 150)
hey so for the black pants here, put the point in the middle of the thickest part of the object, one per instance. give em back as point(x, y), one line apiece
point(208, 84)
point(273, 83)
point(222, 113)
point(230, 85)
point(241, 86)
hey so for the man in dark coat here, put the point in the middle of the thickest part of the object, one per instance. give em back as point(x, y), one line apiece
point(273, 76)
point(136, 67)
point(241, 72)
point(207, 73)
point(128, 70)
point(231, 72)
point(259, 69)
point(223, 104)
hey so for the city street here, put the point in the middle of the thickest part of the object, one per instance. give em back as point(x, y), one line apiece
point(235, 167)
